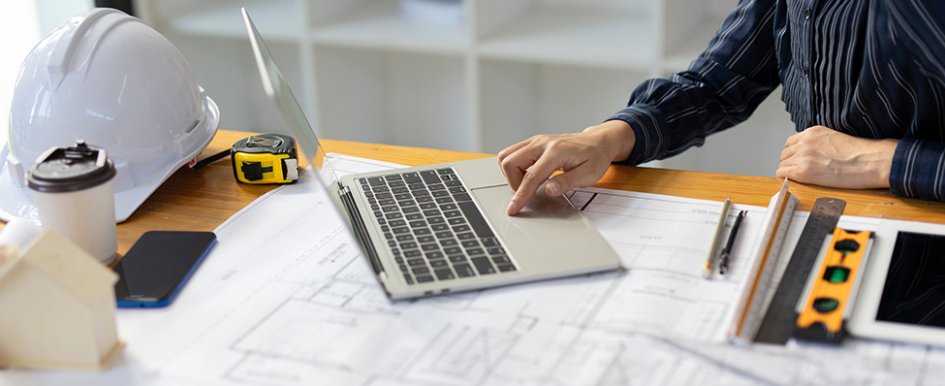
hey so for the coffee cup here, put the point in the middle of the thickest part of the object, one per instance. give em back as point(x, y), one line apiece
point(73, 190)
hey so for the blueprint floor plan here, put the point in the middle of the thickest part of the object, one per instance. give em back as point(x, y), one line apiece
point(286, 299)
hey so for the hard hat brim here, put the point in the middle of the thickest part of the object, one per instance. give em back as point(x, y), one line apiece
point(16, 200)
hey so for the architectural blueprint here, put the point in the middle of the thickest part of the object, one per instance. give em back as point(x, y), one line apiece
point(286, 299)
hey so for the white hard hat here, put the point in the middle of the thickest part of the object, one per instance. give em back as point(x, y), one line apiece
point(112, 81)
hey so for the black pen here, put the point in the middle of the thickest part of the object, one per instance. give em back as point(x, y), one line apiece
point(727, 250)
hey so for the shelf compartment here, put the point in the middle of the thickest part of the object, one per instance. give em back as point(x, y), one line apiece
point(226, 69)
point(277, 20)
point(519, 100)
point(618, 39)
point(384, 25)
point(392, 97)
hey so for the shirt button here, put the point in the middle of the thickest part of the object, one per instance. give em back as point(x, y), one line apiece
point(807, 14)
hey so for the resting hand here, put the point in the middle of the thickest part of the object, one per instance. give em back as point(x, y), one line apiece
point(583, 157)
point(822, 156)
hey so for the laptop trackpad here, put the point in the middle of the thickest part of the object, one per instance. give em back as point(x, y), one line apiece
point(540, 206)
point(549, 227)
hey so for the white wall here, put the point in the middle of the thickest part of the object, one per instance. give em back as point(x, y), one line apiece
point(22, 23)
point(51, 13)
point(19, 31)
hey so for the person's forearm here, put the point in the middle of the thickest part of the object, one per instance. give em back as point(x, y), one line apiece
point(881, 158)
point(617, 135)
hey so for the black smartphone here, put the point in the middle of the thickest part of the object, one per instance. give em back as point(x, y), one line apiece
point(158, 265)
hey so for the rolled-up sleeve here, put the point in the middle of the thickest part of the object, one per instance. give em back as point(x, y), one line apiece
point(721, 88)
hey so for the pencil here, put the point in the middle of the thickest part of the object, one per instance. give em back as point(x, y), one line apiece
point(716, 239)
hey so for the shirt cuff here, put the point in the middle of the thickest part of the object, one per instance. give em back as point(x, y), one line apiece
point(646, 122)
point(918, 169)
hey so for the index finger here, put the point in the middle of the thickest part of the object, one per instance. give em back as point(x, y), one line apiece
point(515, 165)
point(535, 175)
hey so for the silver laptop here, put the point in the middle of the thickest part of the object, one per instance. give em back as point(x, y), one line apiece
point(443, 228)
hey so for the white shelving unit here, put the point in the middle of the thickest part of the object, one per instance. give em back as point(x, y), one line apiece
point(501, 71)
point(380, 25)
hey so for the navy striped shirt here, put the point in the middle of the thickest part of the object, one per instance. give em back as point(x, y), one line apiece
point(869, 68)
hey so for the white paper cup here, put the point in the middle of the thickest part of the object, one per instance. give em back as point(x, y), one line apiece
point(74, 192)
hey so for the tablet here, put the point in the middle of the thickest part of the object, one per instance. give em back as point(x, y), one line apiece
point(902, 296)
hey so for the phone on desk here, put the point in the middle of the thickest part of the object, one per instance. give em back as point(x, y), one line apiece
point(158, 265)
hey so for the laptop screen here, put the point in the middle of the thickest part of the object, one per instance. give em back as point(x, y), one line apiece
point(278, 91)
point(275, 86)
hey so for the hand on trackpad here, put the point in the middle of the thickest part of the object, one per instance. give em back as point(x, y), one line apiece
point(543, 205)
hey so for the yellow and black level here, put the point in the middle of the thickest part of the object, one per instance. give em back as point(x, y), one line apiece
point(826, 309)
point(265, 159)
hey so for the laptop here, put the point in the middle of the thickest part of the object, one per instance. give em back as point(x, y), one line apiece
point(443, 228)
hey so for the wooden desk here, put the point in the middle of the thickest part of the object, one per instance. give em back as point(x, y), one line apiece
point(203, 199)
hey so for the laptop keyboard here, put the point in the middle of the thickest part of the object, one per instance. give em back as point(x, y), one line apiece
point(432, 226)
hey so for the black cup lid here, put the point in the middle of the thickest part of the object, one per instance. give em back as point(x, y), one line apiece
point(67, 169)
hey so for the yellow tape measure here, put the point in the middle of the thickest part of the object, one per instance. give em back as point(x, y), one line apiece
point(265, 159)
point(826, 309)
point(261, 159)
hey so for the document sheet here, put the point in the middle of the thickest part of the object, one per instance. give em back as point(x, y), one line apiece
point(286, 298)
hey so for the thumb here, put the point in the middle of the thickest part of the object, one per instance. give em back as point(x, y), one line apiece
point(575, 178)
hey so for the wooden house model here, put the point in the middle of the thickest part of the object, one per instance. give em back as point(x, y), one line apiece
point(57, 306)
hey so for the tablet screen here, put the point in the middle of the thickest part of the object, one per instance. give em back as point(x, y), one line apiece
point(914, 292)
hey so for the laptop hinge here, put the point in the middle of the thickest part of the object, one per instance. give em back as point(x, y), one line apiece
point(360, 230)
